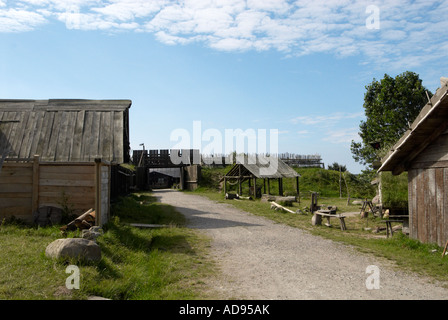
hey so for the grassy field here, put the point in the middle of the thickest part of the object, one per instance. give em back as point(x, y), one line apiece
point(157, 264)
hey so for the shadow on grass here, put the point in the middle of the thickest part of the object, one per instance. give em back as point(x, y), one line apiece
point(172, 243)
point(144, 208)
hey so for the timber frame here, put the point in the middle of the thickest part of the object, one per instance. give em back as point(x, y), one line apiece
point(250, 171)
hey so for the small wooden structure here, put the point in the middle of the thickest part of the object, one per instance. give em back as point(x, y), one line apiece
point(59, 153)
point(423, 152)
point(253, 168)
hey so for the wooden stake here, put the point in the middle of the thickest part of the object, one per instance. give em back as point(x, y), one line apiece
point(444, 250)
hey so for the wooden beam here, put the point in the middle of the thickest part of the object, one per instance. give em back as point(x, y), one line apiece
point(297, 189)
point(255, 187)
point(98, 192)
point(225, 185)
point(35, 193)
point(239, 181)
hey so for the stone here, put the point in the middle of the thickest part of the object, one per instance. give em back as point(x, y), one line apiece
point(92, 233)
point(74, 248)
point(96, 298)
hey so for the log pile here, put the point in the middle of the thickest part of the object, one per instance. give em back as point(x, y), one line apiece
point(84, 221)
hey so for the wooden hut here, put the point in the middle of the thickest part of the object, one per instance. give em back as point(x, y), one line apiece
point(253, 168)
point(59, 153)
point(423, 152)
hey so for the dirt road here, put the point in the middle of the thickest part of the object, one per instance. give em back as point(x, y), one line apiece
point(260, 259)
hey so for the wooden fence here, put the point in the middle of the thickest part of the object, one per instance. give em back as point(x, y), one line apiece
point(28, 184)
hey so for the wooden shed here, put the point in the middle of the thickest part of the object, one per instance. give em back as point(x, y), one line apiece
point(253, 168)
point(423, 152)
point(57, 153)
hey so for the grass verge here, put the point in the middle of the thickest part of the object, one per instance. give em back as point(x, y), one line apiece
point(137, 264)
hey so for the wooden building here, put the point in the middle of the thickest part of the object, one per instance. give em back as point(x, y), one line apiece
point(423, 152)
point(161, 178)
point(253, 168)
point(59, 153)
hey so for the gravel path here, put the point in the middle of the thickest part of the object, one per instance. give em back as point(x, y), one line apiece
point(260, 259)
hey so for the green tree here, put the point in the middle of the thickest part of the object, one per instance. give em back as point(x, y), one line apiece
point(336, 166)
point(390, 106)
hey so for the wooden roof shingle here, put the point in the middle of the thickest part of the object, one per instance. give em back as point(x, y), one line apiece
point(65, 130)
point(260, 167)
point(429, 124)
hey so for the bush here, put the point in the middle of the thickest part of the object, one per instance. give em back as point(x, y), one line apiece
point(394, 190)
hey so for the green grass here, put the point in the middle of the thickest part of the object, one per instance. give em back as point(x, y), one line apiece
point(166, 263)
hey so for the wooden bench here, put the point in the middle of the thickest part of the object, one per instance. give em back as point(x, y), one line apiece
point(317, 218)
point(389, 229)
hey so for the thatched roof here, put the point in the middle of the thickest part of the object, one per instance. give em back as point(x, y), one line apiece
point(65, 130)
point(259, 167)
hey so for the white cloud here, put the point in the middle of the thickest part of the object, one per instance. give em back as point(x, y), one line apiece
point(411, 32)
point(338, 127)
point(14, 20)
point(328, 120)
point(342, 135)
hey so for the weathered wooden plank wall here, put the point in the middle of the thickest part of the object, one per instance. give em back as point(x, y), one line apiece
point(75, 183)
point(16, 187)
point(428, 205)
point(428, 193)
point(26, 186)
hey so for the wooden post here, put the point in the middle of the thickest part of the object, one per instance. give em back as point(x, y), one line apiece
point(240, 190)
point(35, 195)
point(297, 189)
point(269, 186)
point(264, 185)
point(225, 185)
point(98, 192)
point(255, 187)
point(280, 186)
point(181, 183)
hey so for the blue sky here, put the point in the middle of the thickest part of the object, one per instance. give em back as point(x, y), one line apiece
point(297, 66)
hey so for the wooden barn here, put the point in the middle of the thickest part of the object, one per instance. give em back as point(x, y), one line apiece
point(423, 152)
point(59, 153)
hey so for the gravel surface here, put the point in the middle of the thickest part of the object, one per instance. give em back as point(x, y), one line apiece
point(260, 259)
